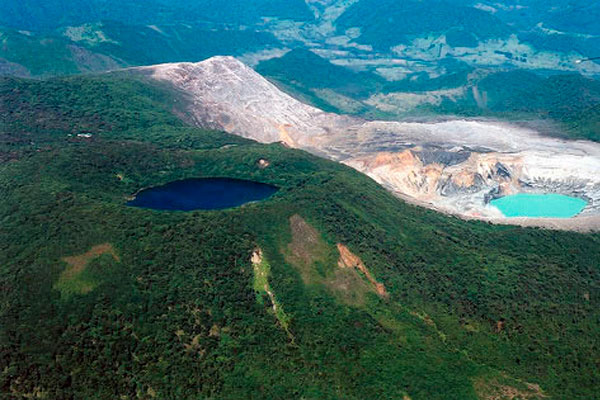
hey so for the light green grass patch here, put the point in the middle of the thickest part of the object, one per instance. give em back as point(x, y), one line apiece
point(83, 272)
point(262, 272)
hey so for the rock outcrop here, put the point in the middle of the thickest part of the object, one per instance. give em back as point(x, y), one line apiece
point(351, 260)
point(454, 166)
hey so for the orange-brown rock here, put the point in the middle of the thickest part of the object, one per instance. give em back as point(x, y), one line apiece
point(351, 260)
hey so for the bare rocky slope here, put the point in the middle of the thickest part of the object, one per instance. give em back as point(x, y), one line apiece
point(453, 166)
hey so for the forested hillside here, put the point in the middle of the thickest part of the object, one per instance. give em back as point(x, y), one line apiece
point(113, 45)
point(386, 23)
point(377, 299)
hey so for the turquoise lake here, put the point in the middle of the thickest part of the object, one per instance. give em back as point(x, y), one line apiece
point(539, 205)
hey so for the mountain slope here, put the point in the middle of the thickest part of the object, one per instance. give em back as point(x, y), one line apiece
point(569, 101)
point(153, 44)
point(48, 55)
point(170, 309)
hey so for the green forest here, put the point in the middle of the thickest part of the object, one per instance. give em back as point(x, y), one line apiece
point(99, 300)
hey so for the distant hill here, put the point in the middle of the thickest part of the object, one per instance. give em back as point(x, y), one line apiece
point(111, 45)
point(51, 14)
point(554, 25)
point(386, 23)
point(571, 101)
point(35, 54)
point(307, 69)
point(313, 78)
point(573, 16)
point(143, 45)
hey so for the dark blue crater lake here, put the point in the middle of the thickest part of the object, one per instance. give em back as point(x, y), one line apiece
point(202, 194)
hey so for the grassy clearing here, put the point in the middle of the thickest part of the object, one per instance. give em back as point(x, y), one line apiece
point(307, 251)
point(504, 388)
point(321, 264)
point(77, 278)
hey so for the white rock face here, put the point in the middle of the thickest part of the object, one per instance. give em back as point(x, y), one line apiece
point(453, 166)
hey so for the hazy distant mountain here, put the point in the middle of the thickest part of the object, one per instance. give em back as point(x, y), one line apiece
point(572, 16)
point(50, 14)
point(110, 45)
point(385, 23)
point(363, 34)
